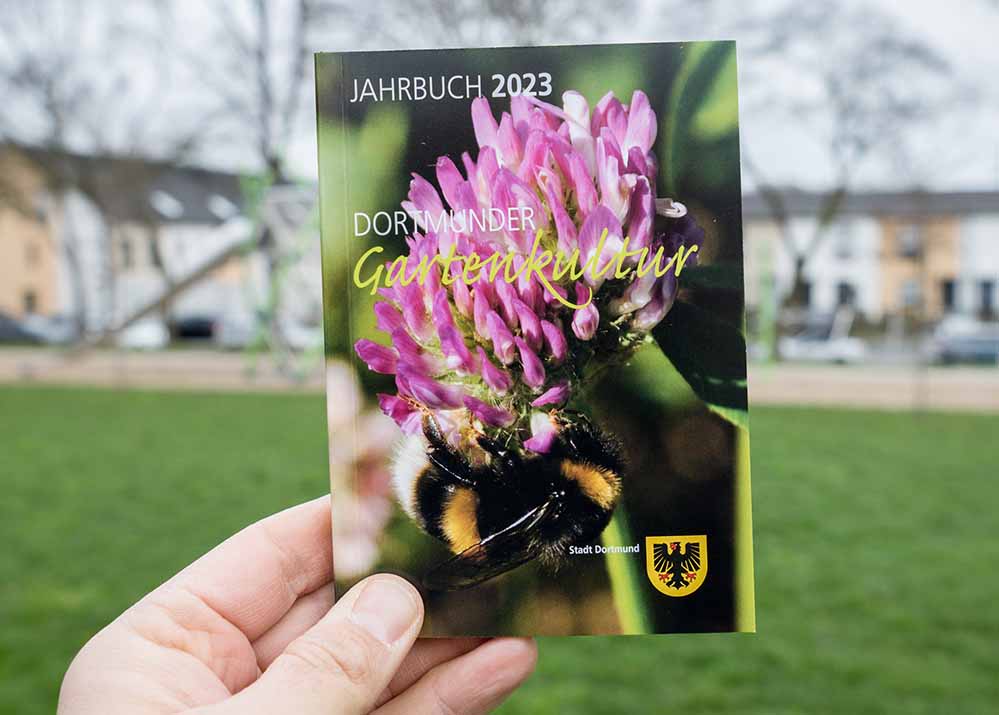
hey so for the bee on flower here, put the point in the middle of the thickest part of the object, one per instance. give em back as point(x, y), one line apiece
point(500, 463)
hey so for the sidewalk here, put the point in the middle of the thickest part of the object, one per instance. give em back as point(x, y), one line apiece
point(195, 369)
point(971, 389)
point(902, 388)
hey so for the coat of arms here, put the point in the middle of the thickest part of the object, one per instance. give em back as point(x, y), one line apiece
point(676, 565)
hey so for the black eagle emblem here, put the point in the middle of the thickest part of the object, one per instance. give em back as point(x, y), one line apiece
point(677, 568)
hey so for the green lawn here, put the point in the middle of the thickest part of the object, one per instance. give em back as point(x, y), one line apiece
point(875, 545)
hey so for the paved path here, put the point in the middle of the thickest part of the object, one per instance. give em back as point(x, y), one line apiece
point(972, 389)
point(937, 388)
point(168, 369)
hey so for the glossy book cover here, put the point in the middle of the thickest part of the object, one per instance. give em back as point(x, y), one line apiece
point(533, 303)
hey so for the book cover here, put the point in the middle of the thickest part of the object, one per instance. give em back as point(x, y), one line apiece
point(533, 305)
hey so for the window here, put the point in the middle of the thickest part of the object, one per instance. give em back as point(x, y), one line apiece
point(910, 240)
point(127, 259)
point(988, 296)
point(221, 207)
point(32, 254)
point(846, 295)
point(911, 294)
point(948, 295)
point(30, 301)
point(166, 204)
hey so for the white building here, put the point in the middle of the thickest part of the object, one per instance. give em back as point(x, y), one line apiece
point(886, 254)
point(146, 237)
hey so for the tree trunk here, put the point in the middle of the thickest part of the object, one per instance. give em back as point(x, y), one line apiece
point(798, 295)
point(70, 249)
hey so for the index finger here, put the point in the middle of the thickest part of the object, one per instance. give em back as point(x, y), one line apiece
point(254, 577)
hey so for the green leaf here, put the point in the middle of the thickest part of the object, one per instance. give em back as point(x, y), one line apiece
point(710, 354)
point(718, 113)
point(703, 106)
point(626, 579)
point(713, 276)
point(652, 375)
point(612, 69)
point(738, 417)
point(359, 169)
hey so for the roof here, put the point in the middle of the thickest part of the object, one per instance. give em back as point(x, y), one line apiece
point(880, 203)
point(138, 189)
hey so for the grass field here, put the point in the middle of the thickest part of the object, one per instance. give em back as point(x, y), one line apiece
point(875, 544)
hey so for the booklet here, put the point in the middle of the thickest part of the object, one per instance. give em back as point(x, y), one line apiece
point(533, 303)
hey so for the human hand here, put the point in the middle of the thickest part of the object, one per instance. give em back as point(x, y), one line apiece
point(248, 628)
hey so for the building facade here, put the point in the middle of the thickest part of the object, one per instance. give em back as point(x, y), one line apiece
point(141, 229)
point(887, 255)
point(119, 239)
point(29, 258)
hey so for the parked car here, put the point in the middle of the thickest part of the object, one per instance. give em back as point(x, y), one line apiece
point(962, 339)
point(11, 331)
point(145, 334)
point(827, 341)
point(194, 328)
point(52, 329)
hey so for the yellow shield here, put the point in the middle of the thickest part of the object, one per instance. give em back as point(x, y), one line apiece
point(676, 565)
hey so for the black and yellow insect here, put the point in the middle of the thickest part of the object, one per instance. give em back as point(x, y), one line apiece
point(500, 515)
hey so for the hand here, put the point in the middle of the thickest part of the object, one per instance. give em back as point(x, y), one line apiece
point(249, 628)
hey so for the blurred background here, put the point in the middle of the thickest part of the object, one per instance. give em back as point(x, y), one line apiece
point(161, 366)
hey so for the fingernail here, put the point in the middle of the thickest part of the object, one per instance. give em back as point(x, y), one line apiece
point(385, 608)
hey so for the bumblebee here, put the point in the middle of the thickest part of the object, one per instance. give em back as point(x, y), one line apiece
point(513, 509)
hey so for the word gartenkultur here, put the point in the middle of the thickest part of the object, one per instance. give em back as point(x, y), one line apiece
point(549, 267)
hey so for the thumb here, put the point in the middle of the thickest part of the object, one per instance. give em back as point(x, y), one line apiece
point(344, 662)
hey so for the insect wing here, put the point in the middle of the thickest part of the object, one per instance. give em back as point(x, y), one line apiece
point(496, 554)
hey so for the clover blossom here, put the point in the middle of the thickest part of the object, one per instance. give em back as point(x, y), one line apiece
point(502, 356)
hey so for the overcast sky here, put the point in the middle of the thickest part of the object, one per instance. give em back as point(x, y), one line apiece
point(959, 151)
point(969, 37)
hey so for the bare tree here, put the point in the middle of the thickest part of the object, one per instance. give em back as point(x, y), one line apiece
point(452, 23)
point(86, 105)
point(255, 74)
point(88, 79)
point(854, 80)
point(257, 80)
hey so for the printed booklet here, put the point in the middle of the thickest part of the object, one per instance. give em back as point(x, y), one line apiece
point(533, 296)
